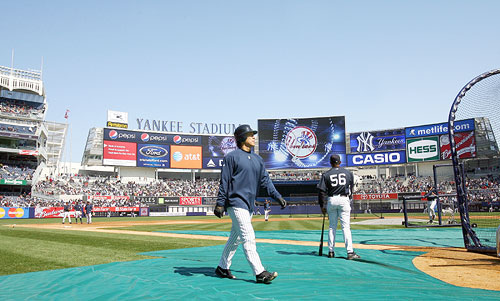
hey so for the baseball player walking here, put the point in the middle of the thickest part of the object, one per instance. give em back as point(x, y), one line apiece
point(242, 174)
point(78, 212)
point(66, 213)
point(88, 212)
point(267, 209)
point(431, 196)
point(335, 189)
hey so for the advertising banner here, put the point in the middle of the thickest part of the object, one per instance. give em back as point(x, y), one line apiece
point(150, 137)
point(190, 200)
point(464, 142)
point(185, 157)
point(439, 128)
point(209, 200)
point(375, 196)
point(13, 182)
point(382, 158)
point(153, 155)
point(375, 141)
point(14, 212)
point(51, 212)
point(115, 209)
point(119, 153)
point(423, 149)
point(215, 148)
point(301, 143)
point(107, 197)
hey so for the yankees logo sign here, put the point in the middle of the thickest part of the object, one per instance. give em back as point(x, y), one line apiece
point(301, 142)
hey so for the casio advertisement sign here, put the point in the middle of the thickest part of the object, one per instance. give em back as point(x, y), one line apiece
point(423, 149)
point(439, 128)
point(381, 158)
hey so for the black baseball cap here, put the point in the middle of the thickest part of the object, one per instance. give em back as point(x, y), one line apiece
point(334, 159)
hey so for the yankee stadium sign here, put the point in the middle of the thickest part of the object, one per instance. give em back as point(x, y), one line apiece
point(178, 127)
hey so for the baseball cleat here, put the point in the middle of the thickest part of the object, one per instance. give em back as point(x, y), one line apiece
point(266, 277)
point(353, 255)
point(331, 254)
point(224, 273)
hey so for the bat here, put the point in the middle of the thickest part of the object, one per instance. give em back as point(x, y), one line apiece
point(320, 253)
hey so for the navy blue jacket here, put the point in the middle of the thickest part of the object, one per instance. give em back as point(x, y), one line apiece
point(88, 208)
point(241, 177)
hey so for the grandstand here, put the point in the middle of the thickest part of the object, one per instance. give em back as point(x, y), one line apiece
point(26, 139)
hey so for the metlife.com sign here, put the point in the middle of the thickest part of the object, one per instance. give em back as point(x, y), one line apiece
point(439, 129)
point(382, 158)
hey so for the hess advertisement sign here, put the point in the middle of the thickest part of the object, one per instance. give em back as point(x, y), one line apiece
point(423, 149)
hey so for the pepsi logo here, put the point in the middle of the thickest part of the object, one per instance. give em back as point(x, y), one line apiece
point(177, 139)
point(113, 134)
point(145, 137)
point(153, 151)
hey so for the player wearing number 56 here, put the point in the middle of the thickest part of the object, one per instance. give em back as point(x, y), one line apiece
point(242, 174)
point(335, 191)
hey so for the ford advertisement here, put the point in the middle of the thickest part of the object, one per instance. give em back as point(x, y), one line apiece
point(152, 155)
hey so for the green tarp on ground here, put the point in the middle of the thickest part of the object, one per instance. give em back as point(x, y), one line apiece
point(189, 273)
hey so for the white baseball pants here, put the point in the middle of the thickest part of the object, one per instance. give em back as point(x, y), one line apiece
point(66, 215)
point(266, 214)
point(430, 209)
point(241, 233)
point(339, 207)
point(89, 217)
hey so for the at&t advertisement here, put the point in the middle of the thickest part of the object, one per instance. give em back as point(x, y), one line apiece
point(301, 143)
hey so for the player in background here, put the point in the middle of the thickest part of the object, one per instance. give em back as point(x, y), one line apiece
point(66, 213)
point(242, 174)
point(431, 196)
point(88, 212)
point(78, 212)
point(267, 209)
point(335, 191)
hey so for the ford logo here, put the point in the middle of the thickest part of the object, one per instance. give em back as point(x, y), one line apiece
point(153, 151)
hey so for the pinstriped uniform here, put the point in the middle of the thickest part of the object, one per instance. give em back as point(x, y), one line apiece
point(241, 233)
point(339, 207)
point(242, 175)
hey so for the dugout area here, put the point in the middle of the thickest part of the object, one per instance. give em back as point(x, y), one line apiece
point(388, 269)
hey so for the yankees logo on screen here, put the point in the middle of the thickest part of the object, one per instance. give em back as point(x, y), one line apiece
point(365, 142)
point(301, 142)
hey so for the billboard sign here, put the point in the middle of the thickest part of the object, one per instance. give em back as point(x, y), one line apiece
point(190, 200)
point(465, 143)
point(439, 128)
point(153, 155)
point(381, 158)
point(119, 153)
point(117, 119)
point(215, 148)
point(301, 143)
point(423, 149)
point(150, 137)
point(375, 141)
point(185, 157)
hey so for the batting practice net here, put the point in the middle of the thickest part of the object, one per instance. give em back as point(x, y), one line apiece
point(478, 196)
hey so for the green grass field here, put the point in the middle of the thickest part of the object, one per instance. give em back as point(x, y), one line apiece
point(27, 249)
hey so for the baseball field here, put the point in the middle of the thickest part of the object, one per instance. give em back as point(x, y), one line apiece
point(175, 257)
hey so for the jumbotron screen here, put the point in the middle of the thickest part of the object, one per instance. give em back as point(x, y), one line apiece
point(301, 143)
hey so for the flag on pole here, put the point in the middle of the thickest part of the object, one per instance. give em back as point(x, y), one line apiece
point(66, 114)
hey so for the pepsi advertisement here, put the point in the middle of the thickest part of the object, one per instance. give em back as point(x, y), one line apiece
point(376, 141)
point(215, 148)
point(301, 143)
point(152, 155)
point(149, 137)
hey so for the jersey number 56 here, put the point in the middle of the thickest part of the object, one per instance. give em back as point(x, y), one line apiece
point(338, 179)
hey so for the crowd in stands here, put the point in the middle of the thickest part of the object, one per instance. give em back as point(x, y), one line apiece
point(16, 172)
point(112, 186)
point(294, 176)
point(11, 108)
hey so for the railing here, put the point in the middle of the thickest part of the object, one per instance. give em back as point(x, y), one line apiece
point(11, 79)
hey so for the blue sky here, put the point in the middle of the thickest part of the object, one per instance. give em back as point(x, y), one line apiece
point(382, 64)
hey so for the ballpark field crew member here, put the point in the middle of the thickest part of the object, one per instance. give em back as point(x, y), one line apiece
point(335, 189)
point(267, 209)
point(242, 174)
point(431, 196)
point(88, 212)
point(78, 212)
point(66, 214)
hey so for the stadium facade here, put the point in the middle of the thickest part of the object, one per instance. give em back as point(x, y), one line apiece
point(30, 147)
